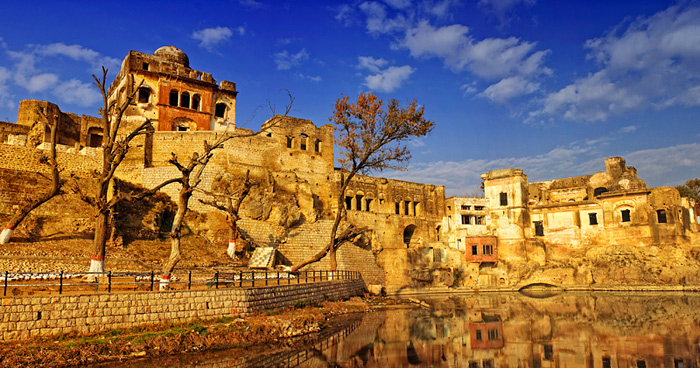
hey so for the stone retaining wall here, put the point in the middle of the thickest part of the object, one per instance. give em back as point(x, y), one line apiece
point(28, 317)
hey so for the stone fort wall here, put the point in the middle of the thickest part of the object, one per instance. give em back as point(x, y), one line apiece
point(28, 317)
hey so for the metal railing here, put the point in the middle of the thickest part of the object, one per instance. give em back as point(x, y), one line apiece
point(49, 283)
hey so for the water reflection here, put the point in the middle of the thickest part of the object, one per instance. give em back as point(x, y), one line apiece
point(509, 330)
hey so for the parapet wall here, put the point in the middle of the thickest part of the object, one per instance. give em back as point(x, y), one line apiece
point(28, 317)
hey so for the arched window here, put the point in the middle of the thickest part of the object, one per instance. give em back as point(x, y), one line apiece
point(195, 101)
point(661, 216)
point(302, 143)
point(174, 96)
point(317, 145)
point(220, 111)
point(185, 100)
point(144, 94)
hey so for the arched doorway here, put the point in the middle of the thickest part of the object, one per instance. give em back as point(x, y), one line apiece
point(408, 234)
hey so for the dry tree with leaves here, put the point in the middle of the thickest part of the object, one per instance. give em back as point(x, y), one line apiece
point(371, 136)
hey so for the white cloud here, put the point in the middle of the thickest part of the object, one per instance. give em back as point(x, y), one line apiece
point(77, 92)
point(389, 79)
point(4, 88)
point(312, 78)
point(79, 53)
point(491, 58)
point(286, 60)
point(650, 62)
point(41, 82)
point(371, 64)
point(509, 88)
point(377, 20)
point(440, 8)
point(210, 37)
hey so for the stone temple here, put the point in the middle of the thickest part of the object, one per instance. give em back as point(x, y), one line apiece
point(517, 233)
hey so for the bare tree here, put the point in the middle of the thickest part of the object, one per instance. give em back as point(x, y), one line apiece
point(371, 137)
point(56, 183)
point(115, 146)
point(228, 199)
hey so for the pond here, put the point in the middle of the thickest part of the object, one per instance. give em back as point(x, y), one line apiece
point(499, 330)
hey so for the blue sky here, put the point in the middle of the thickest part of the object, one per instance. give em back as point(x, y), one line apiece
point(551, 87)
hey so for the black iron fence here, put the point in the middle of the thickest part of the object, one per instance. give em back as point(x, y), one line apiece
point(19, 284)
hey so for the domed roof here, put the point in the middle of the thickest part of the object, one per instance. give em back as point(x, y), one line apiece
point(174, 54)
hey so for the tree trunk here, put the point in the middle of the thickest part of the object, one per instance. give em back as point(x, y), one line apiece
point(99, 242)
point(175, 255)
point(232, 237)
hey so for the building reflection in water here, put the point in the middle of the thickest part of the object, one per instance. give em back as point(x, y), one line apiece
point(510, 330)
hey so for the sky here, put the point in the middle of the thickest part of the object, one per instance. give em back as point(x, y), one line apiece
point(550, 87)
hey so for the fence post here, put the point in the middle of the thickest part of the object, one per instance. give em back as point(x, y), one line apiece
point(252, 277)
point(216, 279)
point(60, 282)
point(151, 280)
point(240, 279)
point(189, 281)
point(265, 277)
point(109, 281)
point(278, 278)
point(4, 293)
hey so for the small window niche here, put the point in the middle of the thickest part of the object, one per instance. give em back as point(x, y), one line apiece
point(539, 228)
point(358, 202)
point(185, 100)
point(626, 215)
point(593, 218)
point(196, 101)
point(504, 198)
point(144, 66)
point(174, 97)
point(475, 250)
point(348, 203)
point(397, 209)
point(661, 216)
point(302, 142)
point(317, 145)
point(290, 141)
point(144, 94)
point(220, 110)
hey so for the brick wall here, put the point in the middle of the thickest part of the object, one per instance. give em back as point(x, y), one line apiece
point(28, 317)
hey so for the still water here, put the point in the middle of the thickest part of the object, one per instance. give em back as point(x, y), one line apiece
point(501, 330)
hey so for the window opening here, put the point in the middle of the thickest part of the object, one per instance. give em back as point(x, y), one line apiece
point(183, 129)
point(398, 208)
point(548, 352)
point(661, 216)
point(488, 363)
point(493, 334)
point(598, 191)
point(195, 102)
point(220, 110)
point(144, 94)
point(488, 250)
point(368, 204)
point(478, 208)
point(289, 142)
point(174, 96)
point(348, 203)
point(678, 363)
point(358, 202)
point(416, 208)
point(302, 144)
point(478, 335)
point(480, 220)
point(459, 243)
point(625, 215)
point(475, 250)
point(593, 218)
point(465, 207)
point(641, 364)
point(406, 207)
point(504, 199)
point(539, 229)
point(185, 100)
point(606, 362)
point(317, 146)
point(466, 219)
point(145, 66)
